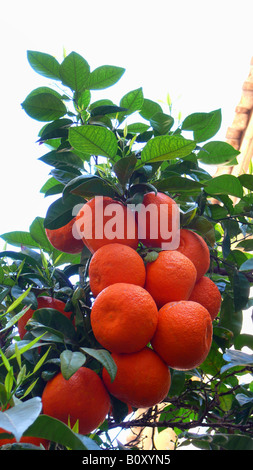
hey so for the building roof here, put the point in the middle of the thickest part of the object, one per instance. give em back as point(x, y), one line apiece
point(240, 133)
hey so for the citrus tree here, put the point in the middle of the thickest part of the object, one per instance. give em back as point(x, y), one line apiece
point(122, 151)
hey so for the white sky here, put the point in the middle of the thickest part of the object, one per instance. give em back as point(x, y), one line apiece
point(197, 51)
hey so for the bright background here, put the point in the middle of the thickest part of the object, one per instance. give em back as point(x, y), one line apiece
point(199, 52)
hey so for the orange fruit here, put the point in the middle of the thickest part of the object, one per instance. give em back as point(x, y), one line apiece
point(142, 379)
point(115, 263)
point(195, 248)
point(153, 225)
point(36, 441)
point(206, 293)
point(43, 302)
point(83, 397)
point(124, 318)
point(170, 277)
point(184, 334)
point(63, 239)
point(103, 220)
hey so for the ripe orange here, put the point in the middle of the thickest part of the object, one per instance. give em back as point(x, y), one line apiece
point(142, 379)
point(43, 302)
point(63, 239)
point(115, 263)
point(154, 224)
point(83, 397)
point(184, 334)
point(206, 293)
point(36, 441)
point(124, 318)
point(103, 220)
point(170, 277)
point(195, 248)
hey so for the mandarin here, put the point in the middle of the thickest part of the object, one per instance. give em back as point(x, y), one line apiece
point(64, 240)
point(142, 379)
point(43, 302)
point(83, 397)
point(170, 277)
point(103, 220)
point(195, 248)
point(115, 263)
point(206, 293)
point(124, 318)
point(155, 218)
point(184, 334)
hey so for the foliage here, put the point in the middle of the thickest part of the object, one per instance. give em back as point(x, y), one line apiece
point(98, 147)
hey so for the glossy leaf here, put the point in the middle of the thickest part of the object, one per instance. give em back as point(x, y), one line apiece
point(87, 186)
point(74, 71)
point(94, 140)
point(217, 153)
point(44, 107)
point(104, 357)
point(133, 100)
point(224, 184)
point(60, 212)
point(54, 430)
point(124, 168)
point(71, 362)
point(166, 148)
point(44, 64)
point(149, 108)
point(104, 77)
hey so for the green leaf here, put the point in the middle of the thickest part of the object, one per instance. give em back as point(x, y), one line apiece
point(106, 109)
point(196, 121)
point(50, 321)
point(44, 64)
point(217, 153)
point(104, 77)
point(224, 184)
point(137, 128)
point(242, 340)
point(241, 290)
point(62, 159)
point(54, 430)
point(104, 357)
point(17, 419)
point(133, 100)
point(51, 187)
point(19, 238)
point(44, 107)
point(38, 233)
point(246, 181)
point(149, 108)
point(247, 265)
point(54, 130)
point(88, 186)
point(247, 245)
point(60, 212)
point(71, 362)
point(65, 175)
point(211, 128)
point(161, 123)
point(178, 184)
point(94, 140)
point(124, 168)
point(166, 147)
point(74, 71)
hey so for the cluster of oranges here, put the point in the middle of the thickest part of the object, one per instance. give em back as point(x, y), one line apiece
point(151, 316)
